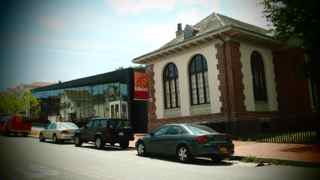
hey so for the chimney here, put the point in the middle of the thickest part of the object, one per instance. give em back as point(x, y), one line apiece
point(179, 31)
point(188, 32)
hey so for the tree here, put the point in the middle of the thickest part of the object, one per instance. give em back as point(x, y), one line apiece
point(22, 102)
point(297, 23)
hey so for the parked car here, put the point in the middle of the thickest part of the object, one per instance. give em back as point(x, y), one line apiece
point(186, 141)
point(15, 124)
point(105, 130)
point(58, 132)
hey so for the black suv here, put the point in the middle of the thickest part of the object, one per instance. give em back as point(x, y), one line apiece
point(104, 130)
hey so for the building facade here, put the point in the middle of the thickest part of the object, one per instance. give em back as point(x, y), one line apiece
point(111, 95)
point(230, 75)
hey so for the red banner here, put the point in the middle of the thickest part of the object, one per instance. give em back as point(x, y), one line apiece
point(141, 86)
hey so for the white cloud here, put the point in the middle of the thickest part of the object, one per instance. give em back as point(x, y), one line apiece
point(125, 7)
point(81, 46)
point(156, 35)
point(84, 20)
point(52, 23)
point(191, 16)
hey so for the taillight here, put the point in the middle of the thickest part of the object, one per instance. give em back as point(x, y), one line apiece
point(202, 139)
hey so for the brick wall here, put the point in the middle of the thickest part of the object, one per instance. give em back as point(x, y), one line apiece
point(293, 97)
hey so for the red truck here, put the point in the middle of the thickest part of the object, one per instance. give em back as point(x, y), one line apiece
point(15, 124)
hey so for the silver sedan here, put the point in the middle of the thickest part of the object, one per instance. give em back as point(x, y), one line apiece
point(58, 132)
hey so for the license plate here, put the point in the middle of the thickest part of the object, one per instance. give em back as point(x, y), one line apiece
point(223, 150)
point(121, 133)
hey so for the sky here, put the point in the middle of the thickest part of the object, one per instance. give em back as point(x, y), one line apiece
point(61, 40)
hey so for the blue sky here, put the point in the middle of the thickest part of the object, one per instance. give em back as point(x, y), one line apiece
point(52, 40)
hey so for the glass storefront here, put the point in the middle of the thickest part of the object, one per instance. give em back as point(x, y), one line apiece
point(80, 103)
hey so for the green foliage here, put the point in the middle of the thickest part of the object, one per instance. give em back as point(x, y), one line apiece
point(295, 21)
point(19, 103)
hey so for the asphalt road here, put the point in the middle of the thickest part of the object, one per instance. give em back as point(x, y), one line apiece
point(27, 158)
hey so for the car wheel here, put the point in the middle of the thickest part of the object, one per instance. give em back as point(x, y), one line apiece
point(183, 154)
point(124, 145)
point(99, 143)
point(141, 149)
point(41, 138)
point(25, 134)
point(55, 139)
point(77, 141)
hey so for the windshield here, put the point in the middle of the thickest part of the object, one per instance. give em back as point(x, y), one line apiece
point(68, 125)
point(200, 129)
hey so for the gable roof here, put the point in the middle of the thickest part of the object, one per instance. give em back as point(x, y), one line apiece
point(213, 23)
point(217, 21)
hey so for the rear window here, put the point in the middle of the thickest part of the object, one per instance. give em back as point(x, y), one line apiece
point(200, 129)
point(68, 125)
point(118, 123)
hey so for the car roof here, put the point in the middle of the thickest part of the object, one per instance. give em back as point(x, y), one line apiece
point(105, 118)
point(180, 124)
point(64, 122)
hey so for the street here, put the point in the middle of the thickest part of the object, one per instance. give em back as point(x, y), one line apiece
point(27, 158)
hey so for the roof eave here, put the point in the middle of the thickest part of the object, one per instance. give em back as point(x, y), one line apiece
point(206, 36)
point(144, 59)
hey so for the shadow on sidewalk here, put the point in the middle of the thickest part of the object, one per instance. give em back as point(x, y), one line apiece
point(106, 148)
point(196, 161)
point(303, 149)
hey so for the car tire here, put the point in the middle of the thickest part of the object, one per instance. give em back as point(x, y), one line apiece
point(55, 139)
point(183, 154)
point(141, 149)
point(25, 134)
point(216, 158)
point(41, 138)
point(99, 142)
point(7, 132)
point(124, 144)
point(77, 141)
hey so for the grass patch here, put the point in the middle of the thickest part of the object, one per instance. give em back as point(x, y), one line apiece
point(249, 159)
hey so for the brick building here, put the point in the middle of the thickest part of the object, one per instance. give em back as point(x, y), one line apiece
point(231, 75)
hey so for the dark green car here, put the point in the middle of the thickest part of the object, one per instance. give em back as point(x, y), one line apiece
point(186, 141)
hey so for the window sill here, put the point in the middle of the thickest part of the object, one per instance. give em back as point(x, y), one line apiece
point(200, 109)
point(173, 112)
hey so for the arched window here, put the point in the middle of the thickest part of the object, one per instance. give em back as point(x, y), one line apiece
point(258, 77)
point(171, 86)
point(198, 77)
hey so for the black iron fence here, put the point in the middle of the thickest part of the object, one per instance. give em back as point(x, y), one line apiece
point(298, 137)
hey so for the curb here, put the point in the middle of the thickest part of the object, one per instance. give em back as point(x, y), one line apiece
point(276, 161)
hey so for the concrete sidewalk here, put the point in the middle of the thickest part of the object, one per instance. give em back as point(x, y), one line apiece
point(290, 152)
